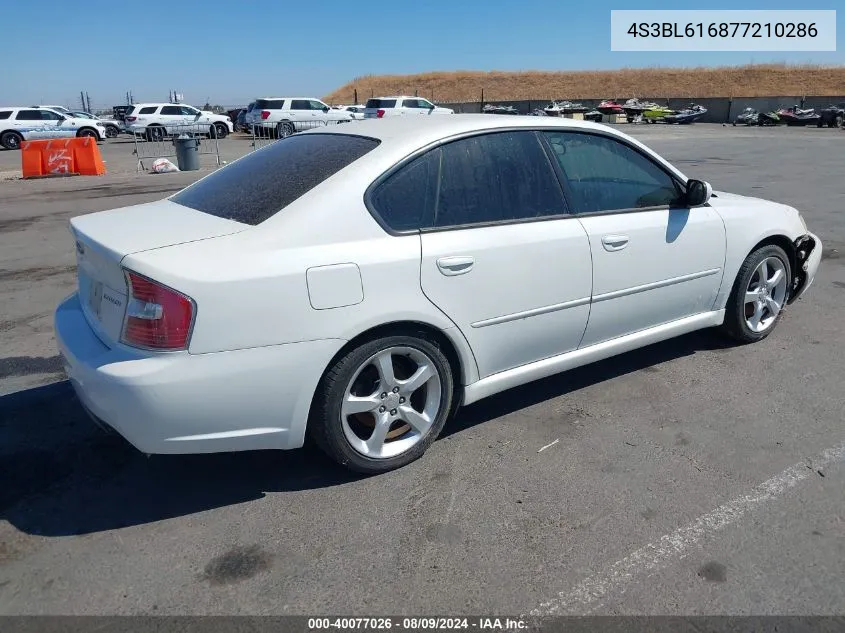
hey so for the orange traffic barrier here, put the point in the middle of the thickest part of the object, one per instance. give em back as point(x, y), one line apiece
point(61, 157)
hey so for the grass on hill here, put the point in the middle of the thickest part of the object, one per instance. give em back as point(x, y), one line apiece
point(765, 80)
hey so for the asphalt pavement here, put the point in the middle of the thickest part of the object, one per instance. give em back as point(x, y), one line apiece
point(689, 477)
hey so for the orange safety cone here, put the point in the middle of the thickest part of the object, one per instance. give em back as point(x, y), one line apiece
point(86, 154)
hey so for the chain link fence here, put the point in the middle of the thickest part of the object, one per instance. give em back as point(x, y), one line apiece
point(158, 141)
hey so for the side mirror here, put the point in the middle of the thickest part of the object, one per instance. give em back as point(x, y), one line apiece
point(698, 193)
point(431, 106)
point(325, 108)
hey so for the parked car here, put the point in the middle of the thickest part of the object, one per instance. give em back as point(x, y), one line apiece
point(355, 111)
point(280, 117)
point(155, 120)
point(380, 107)
point(358, 282)
point(112, 127)
point(240, 123)
point(18, 124)
point(59, 109)
point(832, 116)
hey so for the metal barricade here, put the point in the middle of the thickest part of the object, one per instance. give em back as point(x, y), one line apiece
point(156, 141)
point(264, 134)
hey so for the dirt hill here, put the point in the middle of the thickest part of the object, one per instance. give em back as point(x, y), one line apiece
point(742, 81)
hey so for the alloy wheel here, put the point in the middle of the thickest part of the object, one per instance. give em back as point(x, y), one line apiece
point(765, 294)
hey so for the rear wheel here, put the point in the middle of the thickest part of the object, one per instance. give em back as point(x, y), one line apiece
point(285, 129)
point(155, 133)
point(759, 295)
point(11, 140)
point(381, 405)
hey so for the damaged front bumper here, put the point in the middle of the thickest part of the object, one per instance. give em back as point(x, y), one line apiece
point(808, 256)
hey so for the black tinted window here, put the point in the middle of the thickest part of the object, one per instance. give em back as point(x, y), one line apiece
point(171, 110)
point(148, 110)
point(262, 183)
point(5, 114)
point(28, 115)
point(489, 178)
point(48, 115)
point(606, 175)
point(494, 178)
point(300, 104)
point(405, 201)
point(268, 104)
point(381, 103)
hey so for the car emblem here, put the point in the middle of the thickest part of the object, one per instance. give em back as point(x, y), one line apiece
point(80, 247)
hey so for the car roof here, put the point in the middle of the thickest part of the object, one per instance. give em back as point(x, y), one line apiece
point(147, 105)
point(268, 98)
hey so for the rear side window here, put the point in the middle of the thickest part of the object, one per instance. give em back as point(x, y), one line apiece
point(300, 104)
point(268, 104)
point(5, 114)
point(171, 111)
point(28, 115)
point(262, 183)
point(148, 110)
point(498, 177)
point(381, 103)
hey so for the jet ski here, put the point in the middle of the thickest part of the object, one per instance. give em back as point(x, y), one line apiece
point(634, 108)
point(498, 109)
point(611, 106)
point(767, 119)
point(749, 116)
point(690, 115)
point(656, 113)
point(557, 108)
point(593, 115)
point(796, 116)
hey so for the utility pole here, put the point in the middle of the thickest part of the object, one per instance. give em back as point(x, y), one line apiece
point(82, 99)
point(88, 97)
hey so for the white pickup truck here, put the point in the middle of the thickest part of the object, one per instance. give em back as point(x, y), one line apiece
point(279, 117)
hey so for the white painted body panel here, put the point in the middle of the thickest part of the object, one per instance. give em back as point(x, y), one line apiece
point(525, 296)
point(276, 302)
point(667, 265)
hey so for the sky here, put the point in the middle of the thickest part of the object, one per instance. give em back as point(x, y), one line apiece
point(229, 52)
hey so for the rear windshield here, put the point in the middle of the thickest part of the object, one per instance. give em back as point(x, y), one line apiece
point(381, 103)
point(269, 104)
point(261, 184)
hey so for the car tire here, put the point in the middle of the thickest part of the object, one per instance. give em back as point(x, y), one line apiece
point(112, 131)
point(89, 132)
point(285, 129)
point(11, 140)
point(346, 428)
point(753, 310)
point(219, 130)
point(155, 133)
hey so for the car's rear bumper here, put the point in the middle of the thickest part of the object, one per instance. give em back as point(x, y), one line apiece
point(179, 402)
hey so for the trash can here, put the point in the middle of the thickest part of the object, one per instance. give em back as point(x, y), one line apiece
point(187, 152)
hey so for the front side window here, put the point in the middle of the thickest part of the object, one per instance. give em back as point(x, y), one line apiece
point(317, 105)
point(47, 115)
point(607, 175)
point(410, 103)
point(500, 177)
point(188, 111)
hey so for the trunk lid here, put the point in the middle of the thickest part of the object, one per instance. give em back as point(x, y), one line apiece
point(104, 239)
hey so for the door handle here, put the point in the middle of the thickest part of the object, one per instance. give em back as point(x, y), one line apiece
point(614, 242)
point(451, 266)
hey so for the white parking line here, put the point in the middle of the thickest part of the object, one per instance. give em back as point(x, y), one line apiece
point(585, 597)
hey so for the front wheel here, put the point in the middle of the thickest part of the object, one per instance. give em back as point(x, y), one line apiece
point(219, 130)
point(759, 295)
point(111, 131)
point(87, 131)
point(382, 404)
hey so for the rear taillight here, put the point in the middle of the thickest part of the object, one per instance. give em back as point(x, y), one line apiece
point(265, 114)
point(157, 317)
point(131, 118)
point(380, 113)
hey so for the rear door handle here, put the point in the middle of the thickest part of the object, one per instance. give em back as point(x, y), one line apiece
point(451, 266)
point(614, 242)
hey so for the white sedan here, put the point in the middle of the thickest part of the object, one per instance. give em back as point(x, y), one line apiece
point(402, 268)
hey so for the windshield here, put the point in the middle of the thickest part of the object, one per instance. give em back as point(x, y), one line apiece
point(250, 190)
